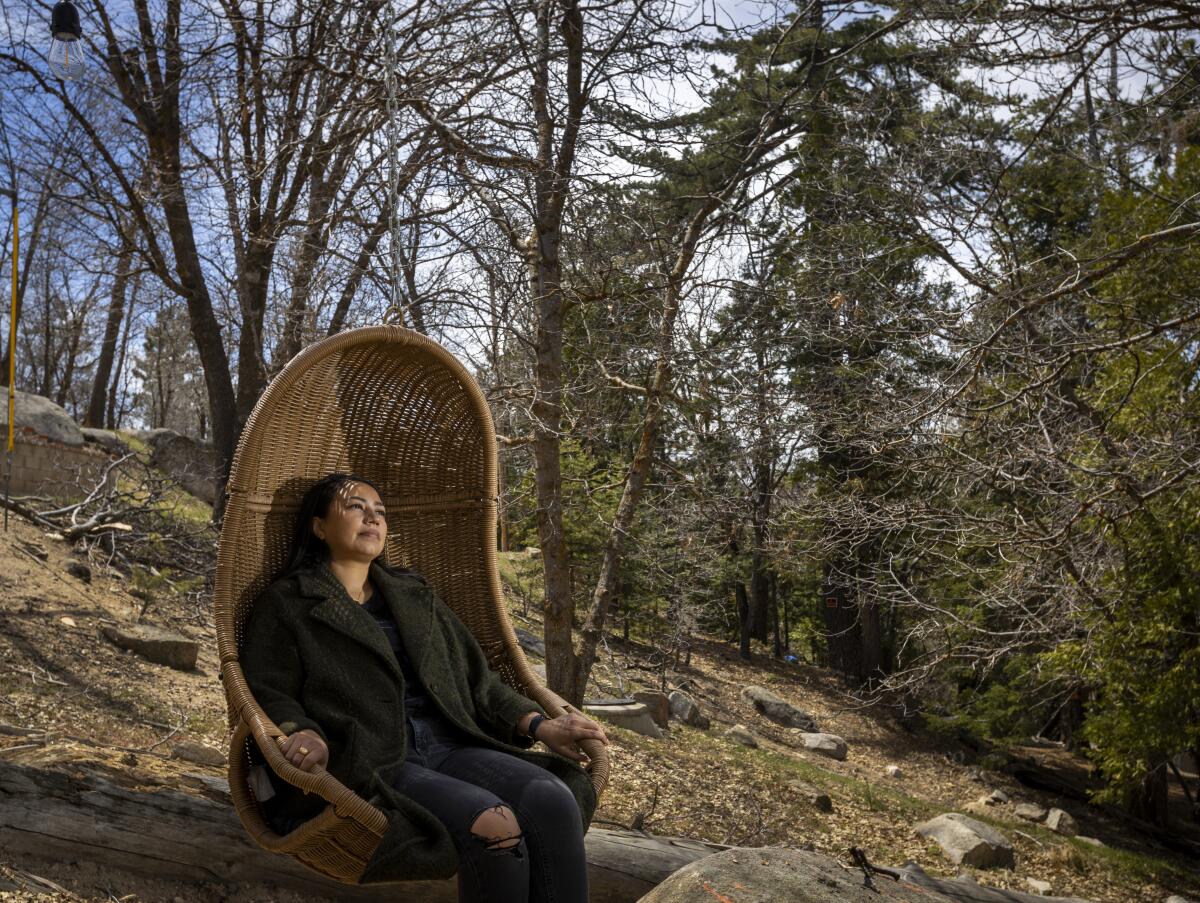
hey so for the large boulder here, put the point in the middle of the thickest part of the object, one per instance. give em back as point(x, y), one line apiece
point(657, 704)
point(156, 645)
point(739, 734)
point(1039, 887)
point(965, 841)
point(1030, 811)
point(42, 417)
point(830, 745)
point(685, 709)
point(778, 710)
point(1062, 823)
point(191, 464)
point(774, 874)
point(632, 717)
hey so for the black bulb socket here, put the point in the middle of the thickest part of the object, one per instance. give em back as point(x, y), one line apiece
point(64, 21)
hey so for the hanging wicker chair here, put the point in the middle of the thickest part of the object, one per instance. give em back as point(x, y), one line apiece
point(395, 407)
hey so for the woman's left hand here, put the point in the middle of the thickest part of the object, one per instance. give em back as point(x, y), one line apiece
point(562, 734)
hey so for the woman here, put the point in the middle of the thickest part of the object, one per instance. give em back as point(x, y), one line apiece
point(375, 679)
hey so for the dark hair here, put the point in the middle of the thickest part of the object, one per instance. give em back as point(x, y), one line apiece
point(308, 548)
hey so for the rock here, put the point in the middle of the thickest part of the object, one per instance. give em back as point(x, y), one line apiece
point(995, 798)
point(539, 669)
point(155, 644)
point(774, 874)
point(1175, 898)
point(533, 552)
point(80, 571)
point(1030, 811)
point(778, 710)
point(531, 643)
point(829, 745)
point(657, 704)
point(740, 734)
point(191, 751)
point(966, 841)
point(188, 462)
point(43, 418)
point(813, 795)
point(1039, 887)
point(684, 708)
point(106, 439)
point(1062, 823)
point(67, 621)
point(893, 771)
point(1091, 841)
point(633, 717)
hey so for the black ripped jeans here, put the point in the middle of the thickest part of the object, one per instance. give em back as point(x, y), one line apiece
point(458, 781)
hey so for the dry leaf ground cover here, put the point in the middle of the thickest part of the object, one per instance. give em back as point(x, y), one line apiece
point(88, 701)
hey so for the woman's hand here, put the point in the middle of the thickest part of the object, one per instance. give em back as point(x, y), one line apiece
point(306, 750)
point(562, 734)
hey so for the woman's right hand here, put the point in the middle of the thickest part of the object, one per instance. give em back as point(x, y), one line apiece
point(306, 750)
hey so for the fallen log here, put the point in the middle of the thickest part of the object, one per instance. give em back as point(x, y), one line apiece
point(188, 831)
point(963, 890)
point(75, 812)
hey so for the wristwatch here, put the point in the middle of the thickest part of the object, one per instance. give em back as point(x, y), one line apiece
point(536, 720)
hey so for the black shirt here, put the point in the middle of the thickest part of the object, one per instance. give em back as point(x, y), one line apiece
point(415, 697)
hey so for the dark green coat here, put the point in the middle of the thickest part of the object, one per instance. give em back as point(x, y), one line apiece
point(314, 658)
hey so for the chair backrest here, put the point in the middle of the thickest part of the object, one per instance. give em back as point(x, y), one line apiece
point(395, 407)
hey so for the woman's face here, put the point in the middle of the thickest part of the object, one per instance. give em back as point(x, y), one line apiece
point(355, 527)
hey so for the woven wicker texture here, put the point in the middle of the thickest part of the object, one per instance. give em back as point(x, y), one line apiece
point(393, 406)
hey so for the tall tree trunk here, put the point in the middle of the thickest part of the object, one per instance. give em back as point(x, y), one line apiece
point(206, 332)
point(95, 415)
point(843, 629)
point(115, 415)
point(871, 664)
point(558, 607)
point(551, 182)
point(74, 338)
point(778, 649)
point(761, 507)
point(743, 616)
point(787, 610)
point(47, 337)
point(151, 87)
point(1150, 802)
point(760, 620)
point(252, 298)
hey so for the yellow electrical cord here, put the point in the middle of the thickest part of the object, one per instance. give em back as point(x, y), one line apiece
point(12, 331)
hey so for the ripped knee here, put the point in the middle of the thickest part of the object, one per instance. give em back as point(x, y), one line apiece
point(497, 829)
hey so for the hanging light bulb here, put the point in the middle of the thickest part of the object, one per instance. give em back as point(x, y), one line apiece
point(66, 50)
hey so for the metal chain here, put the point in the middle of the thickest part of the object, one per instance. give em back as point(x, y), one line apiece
point(395, 309)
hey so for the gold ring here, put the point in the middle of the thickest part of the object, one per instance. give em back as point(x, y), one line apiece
point(303, 751)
